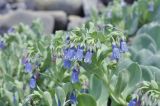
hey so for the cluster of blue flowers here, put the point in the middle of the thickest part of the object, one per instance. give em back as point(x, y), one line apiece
point(116, 51)
point(28, 69)
point(72, 54)
point(2, 43)
point(76, 54)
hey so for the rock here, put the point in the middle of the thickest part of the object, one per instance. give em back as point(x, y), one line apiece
point(2, 4)
point(3, 29)
point(105, 2)
point(68, 6)
point(30, 4)
point(60, 18)
point(129, 1)
point(11, 1)
point(75, 21)
point(7, 8)
point(27, 17)
point(91, 5)
point(18, 6)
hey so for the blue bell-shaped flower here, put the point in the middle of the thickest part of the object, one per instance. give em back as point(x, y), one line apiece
point(79, 54)
point(67, 63)
point(75, 75)
point(88, 57)
point(123, 46)
point(28, 67)
point(70, 53)
point(115, 52)
point(32, 83)
point(151, 6)
point(73, 98)
point(2, 45)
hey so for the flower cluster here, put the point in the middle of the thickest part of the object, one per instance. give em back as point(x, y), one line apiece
point(76, 54)
point(116, 51)
point(72, 54)
point(28, 69)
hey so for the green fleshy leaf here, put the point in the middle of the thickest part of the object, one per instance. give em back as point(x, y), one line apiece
point(85, 100)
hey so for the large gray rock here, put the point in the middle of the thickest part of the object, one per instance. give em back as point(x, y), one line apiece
point(27, 17)
point(2, 3)
point(69, 6)
point(4, 7)
point(3, 29)
point(11, 1)
point(91, 5)
point(60, 18)
point(18, 6)
point(105, 2)
point(75, 21)
point(30, 4)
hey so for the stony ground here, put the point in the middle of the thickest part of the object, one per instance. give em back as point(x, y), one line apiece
point(55, 14)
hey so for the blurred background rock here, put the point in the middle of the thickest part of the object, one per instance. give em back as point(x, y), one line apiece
point(55, 14)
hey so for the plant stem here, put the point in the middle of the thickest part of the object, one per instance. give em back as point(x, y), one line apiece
point(111, 92)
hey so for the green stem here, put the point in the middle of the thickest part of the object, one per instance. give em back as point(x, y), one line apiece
point(65, 103)
point(111, 92)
